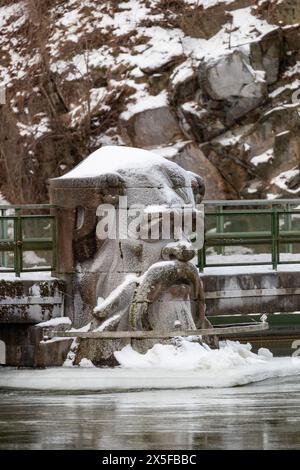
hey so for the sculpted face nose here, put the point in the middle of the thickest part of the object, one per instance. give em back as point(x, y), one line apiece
point(182, 251)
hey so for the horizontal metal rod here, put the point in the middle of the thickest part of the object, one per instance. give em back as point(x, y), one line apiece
point(249, 202)
point(37, 217)
point(252, 212)
point(234, 235)
point(26, 206)
point(282, 235)
point(221, 265)
point(26, 270)
point(27, 217)
point(236, 242)
point(27, 246)
point(157, 334)
point(289, 262)
point(218, 202)
point(37, 269)
point(37, 245)
point(28, 300)
point(232, 294)
point(290, 233)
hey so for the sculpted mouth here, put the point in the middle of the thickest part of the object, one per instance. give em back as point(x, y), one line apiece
point(176, 277)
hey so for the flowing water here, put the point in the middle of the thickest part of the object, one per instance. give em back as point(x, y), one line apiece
point(264, 415)
point(173, 397)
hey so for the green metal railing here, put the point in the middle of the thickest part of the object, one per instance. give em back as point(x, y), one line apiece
point(27, 238)
point(28, 234)
point(271, 226)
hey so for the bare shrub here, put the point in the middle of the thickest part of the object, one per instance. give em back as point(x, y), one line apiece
point(193, 19)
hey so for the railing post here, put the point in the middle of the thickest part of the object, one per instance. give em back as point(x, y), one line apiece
point(5, 232)
point(289, 226)
point(2, 258)
point(54, 243)
point(201, 258)
point(3, 236)
point(18, 258)
point(275, 237)
point(220, 225)
point(201, 252)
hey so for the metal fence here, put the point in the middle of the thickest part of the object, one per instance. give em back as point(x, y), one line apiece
point(27, 238)
point(237, 233)
point(252, 232)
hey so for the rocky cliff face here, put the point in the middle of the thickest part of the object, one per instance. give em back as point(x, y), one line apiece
point(211, 84)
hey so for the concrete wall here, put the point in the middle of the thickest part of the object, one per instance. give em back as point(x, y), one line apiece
point(23, 304)
point(31, 300)
point(261, 292)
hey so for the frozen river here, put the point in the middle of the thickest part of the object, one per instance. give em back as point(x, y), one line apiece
point(262, 415)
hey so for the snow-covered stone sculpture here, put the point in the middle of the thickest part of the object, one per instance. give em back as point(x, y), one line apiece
point(128, 281)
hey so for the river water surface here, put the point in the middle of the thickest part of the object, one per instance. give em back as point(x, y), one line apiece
point(261, 415)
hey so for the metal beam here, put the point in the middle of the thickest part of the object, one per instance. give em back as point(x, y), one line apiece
point(231, 294)
point(28, 300)
point(157, 334)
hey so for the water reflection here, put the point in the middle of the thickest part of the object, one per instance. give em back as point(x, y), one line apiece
point(263, 416)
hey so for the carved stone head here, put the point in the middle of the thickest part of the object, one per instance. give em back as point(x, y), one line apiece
point(142, 274)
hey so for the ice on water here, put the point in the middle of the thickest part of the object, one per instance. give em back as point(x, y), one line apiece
point(184, 365)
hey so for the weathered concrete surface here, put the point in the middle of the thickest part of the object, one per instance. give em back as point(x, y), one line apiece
point(23, 304)
point(50, 352)
point(31, 301)
point(262, 292)
point(19, 349)
point(24, 346)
